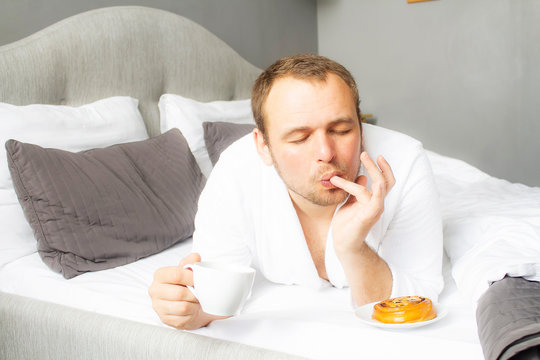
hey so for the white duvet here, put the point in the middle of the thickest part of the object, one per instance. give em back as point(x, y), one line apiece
point(491, 228)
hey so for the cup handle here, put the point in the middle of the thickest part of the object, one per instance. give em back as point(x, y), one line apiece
point(191, 288)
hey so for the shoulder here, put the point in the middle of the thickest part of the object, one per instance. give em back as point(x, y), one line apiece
point(239, 167)
point(240, 154)
point(400, 150)
point(244, 146)
point(380, 139)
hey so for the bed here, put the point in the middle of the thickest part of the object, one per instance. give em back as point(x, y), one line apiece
point(141, 68)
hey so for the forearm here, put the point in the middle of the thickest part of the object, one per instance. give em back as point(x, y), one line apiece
point(369, 277)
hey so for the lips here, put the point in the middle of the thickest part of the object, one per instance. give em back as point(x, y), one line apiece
point(325, 179)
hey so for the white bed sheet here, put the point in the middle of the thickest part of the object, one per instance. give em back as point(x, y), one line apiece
point(318, 324)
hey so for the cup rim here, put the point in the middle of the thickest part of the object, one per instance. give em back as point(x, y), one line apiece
point(223, 266)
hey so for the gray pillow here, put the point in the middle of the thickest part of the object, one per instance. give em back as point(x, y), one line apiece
point(219, 135)
point(101, 208)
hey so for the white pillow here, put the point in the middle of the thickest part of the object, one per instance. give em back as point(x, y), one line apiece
point(188, 116)
point(99, 124)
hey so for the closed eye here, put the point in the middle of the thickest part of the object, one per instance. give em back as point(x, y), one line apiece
point(299, 140)
point(340, 132)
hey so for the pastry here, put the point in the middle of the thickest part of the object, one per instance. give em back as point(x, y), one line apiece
point(404, 309)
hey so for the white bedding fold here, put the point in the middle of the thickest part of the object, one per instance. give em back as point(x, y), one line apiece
point(491, 226)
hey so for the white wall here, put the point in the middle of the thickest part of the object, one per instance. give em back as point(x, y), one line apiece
point(462, 76)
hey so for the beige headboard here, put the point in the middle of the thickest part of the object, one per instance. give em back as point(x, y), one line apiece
point(127, 50)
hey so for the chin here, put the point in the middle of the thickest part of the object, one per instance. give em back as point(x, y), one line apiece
point(332, 197)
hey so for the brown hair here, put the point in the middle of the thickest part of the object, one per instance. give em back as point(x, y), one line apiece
point(301, 66)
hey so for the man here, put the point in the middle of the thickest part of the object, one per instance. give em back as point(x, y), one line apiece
point(305, 204)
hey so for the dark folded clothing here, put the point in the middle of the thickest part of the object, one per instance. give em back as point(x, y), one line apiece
point(508, 318)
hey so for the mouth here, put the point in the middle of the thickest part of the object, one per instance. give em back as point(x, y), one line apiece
point(325, 179)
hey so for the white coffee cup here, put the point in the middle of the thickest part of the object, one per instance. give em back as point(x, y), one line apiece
point(222, 289)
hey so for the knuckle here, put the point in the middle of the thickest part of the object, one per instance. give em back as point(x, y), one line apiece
point(186, 294)
point(158, 273)
point(179, 272)
point(179, 324)
point(183, 308)
point(182, 276)
point(158, 309)
point(179, 292)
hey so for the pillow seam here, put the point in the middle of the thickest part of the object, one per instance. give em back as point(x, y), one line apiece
point(14, 162)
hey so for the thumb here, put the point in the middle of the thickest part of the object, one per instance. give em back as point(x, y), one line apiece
point(190, 259)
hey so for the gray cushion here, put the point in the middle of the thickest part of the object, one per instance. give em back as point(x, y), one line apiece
point(219, 135)
point(101, 208)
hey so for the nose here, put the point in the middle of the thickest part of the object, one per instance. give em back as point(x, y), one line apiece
point(324, 148)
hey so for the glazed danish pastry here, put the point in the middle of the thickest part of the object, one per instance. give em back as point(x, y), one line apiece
point(404, 309)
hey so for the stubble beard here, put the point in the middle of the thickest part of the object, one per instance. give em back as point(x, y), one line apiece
point(322, 197)
point(326, 198)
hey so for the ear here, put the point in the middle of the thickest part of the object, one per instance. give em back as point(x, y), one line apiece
point(262, 147)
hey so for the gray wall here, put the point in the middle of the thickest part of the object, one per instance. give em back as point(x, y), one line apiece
point(463, 76)
point(260, 30)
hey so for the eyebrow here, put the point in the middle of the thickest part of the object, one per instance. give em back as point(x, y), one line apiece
point(303, 129)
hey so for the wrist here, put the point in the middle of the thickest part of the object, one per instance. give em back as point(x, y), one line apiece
point(351, 251)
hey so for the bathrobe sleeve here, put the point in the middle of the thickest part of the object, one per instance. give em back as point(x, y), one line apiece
point(223, 226)
point(413, 243)
point(408, 236)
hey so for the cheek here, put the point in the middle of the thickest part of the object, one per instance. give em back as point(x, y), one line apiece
point(350, 151)
point(293, 160)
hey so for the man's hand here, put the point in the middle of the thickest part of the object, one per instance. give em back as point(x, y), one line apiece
point(369, 276)
point(364, 207)
point(173, 301)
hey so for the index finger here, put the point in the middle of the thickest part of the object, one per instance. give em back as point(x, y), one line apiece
point(175, 275)
point(386, 171)
point(373, 170)
point(357, 190)
point(190, 259)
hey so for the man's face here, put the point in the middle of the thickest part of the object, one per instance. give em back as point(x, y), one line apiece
point(312, 133)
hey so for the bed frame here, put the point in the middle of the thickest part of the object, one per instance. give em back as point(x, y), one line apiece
point(143, 53)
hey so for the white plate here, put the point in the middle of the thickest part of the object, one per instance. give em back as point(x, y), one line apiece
point(364, 314)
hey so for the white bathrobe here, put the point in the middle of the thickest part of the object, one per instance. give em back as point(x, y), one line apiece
point(246, 216)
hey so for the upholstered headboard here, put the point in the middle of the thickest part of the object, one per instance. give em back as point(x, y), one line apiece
point(136, 51)
point(142, 53)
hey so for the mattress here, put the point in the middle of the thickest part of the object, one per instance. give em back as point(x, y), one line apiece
point(317, 324)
